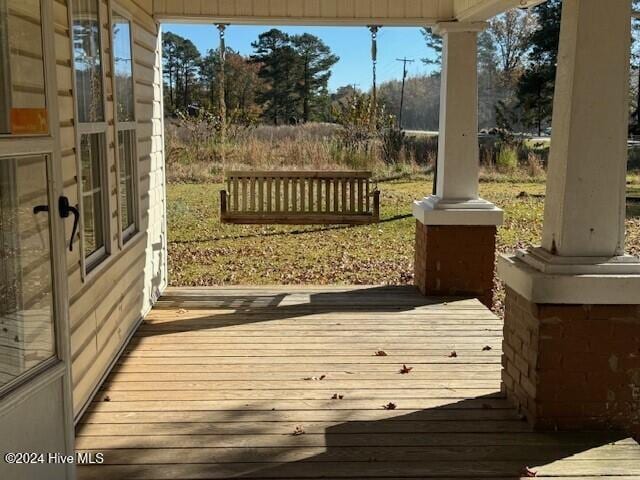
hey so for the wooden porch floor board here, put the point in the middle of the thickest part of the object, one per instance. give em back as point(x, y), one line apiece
point(215, 382)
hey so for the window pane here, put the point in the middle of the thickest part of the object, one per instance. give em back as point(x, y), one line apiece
point(126, 151)
point(26, 302)
point(87, 61)
point(22, 88)
point(92, 154)
point(123, 63)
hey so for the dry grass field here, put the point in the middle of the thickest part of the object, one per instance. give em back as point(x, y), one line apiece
point(202, 251)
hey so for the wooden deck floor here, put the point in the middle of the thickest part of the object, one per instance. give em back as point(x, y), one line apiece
point(216, 382)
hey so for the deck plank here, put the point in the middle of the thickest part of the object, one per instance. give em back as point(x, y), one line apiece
point(215, 382)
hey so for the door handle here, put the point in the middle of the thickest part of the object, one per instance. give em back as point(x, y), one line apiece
point(40, 209)
point(65, 209)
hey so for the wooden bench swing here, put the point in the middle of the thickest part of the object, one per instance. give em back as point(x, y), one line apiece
point(300, 198)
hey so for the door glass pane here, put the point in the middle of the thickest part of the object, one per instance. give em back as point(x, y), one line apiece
point(87, 61)
point(91, 155)
point(26, 298)
point(22, 88)
point(123, 63)
point(126, 151)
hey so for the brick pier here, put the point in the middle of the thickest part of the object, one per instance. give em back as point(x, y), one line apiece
point(456, 260)
point(573, 366)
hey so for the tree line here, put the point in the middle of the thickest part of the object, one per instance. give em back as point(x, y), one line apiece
point(516, 72)
point(284, 81)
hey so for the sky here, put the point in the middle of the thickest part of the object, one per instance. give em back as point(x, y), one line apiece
point(351, 44)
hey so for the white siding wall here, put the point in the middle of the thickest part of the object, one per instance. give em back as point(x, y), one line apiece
point(106, 304)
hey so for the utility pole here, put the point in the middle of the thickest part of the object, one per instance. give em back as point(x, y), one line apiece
point(404, 61)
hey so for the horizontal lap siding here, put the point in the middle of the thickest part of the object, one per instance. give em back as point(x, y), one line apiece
point(297, 11)
point(105, 306)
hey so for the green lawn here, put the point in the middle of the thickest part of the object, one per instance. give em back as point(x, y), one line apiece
point(204, 252)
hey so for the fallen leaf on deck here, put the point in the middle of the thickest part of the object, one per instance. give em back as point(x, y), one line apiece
point(527, 472)
point(322, 377)
point(181, 311)
point(381, 353)
point(389, 406)
point(107, 398)
point(337, 396)
point(486, 348)
point(299, 430)
point(453, 354)
point(405, 369)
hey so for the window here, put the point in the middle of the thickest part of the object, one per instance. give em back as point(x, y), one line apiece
point(93, 205)
point(88, 61)
point(92, 128)
point(26, 293)
point(22, 86)
point(125, 121)
point(126, 153)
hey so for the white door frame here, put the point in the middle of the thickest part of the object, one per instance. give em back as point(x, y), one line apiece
point(59, 367)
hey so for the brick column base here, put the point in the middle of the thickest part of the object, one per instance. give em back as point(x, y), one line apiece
point(573, 366)
point(455, 260)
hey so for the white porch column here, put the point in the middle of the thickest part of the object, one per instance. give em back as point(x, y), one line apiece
point(456, 201)
point(584, 216)
point(585, 203)
point(455, 229)
point(572, 306)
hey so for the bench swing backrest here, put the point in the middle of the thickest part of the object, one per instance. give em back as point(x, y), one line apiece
point(299, 197)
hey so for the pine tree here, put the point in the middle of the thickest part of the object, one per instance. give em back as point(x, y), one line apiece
point(279, 71)
point(316, 61)
point(181, 59)
point(536, 86)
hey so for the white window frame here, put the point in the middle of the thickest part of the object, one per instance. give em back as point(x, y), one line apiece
point(90, 262)
point(125, 234)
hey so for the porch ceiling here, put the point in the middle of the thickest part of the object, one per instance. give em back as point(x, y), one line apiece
point(332, 12)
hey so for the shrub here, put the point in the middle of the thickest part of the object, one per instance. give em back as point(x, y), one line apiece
point(507, 160)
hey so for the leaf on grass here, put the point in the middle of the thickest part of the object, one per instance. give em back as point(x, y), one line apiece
point(390, 406)
point(381, 353)
point(527, 472)
point(404, 370)
point(453, 354)
point(486, 348)
point(299, 430)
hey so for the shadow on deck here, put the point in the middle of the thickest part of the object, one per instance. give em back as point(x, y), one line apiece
point(217, 381)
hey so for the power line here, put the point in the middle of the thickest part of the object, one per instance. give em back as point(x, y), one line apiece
point(404, 61)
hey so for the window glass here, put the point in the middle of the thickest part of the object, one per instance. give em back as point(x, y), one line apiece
point(22, 87)
point(123, 66)
point(126, 150)
point(93, 194)
point(26, 298)
point(87, 61)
